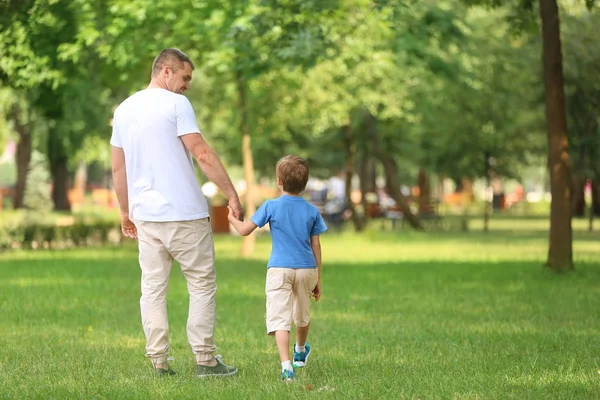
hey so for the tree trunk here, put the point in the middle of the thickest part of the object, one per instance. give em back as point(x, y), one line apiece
point(424, 192)
point(595, 198)
point(487, 202)
point(560, 253)
point(578, 205)
point(23, 156)
point(368, 173)
point(357, 220)
point(80, 184)
point(391, 174)
point(250, 206)
point(59, 169)
point(60, 185)
point(591, 212)
point(368, 184)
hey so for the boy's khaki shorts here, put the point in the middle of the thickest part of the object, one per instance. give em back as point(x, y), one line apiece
point(288, 297)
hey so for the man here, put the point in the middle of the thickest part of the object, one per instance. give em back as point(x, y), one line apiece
point(154, 137)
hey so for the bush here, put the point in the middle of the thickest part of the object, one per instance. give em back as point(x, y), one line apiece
point(42, 234)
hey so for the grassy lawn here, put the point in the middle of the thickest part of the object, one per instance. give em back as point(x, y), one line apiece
point(403, 315)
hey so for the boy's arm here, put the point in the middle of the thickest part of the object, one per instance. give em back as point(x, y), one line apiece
point(315, 243)
point(244, 228)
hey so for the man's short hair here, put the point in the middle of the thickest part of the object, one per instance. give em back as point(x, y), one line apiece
point(293, 173)
point(171, 57)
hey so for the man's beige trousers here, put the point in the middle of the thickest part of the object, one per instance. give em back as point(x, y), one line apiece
point(191, 244)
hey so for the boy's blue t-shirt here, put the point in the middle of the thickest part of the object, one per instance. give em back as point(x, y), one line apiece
point(293, 221)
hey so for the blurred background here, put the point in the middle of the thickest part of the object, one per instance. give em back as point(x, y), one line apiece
point(423, 114)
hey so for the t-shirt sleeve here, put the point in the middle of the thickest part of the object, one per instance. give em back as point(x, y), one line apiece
point(319, 226)
point(115, 138)
point(186, 118)
point(262, 215)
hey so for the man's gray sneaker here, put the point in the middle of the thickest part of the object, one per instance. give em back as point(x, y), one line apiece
point(164, 372)
point(218, 370)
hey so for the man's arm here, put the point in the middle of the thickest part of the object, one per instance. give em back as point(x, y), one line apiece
point(213, 168)
point(119, 173)
point(315, 244)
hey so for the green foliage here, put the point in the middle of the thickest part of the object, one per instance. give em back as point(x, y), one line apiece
point(38, 232)
point(446, 85)
point(582, 56)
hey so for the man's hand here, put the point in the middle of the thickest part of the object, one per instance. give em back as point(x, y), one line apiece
point(317, 291)
point(235, 208)
point(127, 227)
point(230, 215)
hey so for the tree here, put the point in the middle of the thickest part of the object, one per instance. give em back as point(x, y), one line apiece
point(60, 82)
point(583, 101)
point(560, 253)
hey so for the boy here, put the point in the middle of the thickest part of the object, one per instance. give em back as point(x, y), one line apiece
point(294, 268)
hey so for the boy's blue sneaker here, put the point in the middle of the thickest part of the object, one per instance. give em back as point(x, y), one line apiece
point(300, 359)
point(287, 375)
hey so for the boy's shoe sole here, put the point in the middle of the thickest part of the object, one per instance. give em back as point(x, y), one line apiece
point(302, 364)
point(287, 375)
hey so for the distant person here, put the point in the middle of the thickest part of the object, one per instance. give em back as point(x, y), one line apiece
point(154, 137)
point(336, 205)
point(336, 187)
point(294, 268)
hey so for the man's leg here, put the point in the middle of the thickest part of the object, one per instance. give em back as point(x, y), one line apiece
point(155, 262)
point(191, 243)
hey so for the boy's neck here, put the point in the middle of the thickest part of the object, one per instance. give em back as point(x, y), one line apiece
point(290, 194)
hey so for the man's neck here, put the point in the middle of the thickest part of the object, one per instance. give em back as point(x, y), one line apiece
point(156, 85)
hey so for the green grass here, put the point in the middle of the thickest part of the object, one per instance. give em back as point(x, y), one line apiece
point(403, 315)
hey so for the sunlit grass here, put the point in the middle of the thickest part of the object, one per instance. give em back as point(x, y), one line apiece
point(403, 315)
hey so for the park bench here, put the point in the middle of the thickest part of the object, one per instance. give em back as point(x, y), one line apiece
point(430, 219)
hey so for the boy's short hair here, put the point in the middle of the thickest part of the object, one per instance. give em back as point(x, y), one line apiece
point(293, 173)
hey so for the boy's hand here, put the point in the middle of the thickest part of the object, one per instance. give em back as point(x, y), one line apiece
point(231, 214)
point(235, 208)
point(317, 291)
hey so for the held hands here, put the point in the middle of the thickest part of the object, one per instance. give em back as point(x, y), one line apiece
point(230, 215)
point(317, 291)
point(127, 227)
point(235, 209)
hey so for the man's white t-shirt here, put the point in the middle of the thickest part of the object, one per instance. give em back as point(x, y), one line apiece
point(161, 182)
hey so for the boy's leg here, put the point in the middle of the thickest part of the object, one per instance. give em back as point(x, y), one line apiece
point(278, 289)
point(305, 282)
point(302, 334)
point(155, 263)
point(282, 338)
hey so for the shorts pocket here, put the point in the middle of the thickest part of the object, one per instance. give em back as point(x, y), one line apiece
point(275, 279)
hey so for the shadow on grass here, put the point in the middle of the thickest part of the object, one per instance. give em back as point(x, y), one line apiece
point(434, 329)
